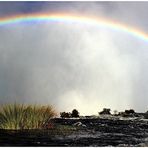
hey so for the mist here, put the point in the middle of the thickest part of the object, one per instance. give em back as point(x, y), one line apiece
point(72, 65)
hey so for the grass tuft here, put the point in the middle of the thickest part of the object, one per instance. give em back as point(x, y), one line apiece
point(18, 116)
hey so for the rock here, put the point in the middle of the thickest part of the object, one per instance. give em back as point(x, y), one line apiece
point(99, 132)
point(79, 124)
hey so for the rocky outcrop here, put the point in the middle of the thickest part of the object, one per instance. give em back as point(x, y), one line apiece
point(81, 132)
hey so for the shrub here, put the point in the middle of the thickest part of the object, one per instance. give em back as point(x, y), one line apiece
point(130, 111)
point(75, 113)
point(65, 115)
point(106, 111)
point(16, 116)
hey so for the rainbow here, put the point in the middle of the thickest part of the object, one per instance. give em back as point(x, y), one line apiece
point(98, 21)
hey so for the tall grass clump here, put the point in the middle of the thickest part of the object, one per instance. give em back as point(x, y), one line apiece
point(17, 116)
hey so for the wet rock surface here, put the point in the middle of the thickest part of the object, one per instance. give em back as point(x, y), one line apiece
point(81, 132)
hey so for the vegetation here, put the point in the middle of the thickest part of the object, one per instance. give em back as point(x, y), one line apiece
point(16, 116)
point(19, 116)
point(106, 111)
point(75, 113)
point(130, 111)
point(65, 115)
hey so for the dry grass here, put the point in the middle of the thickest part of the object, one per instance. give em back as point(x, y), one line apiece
point(18, 116)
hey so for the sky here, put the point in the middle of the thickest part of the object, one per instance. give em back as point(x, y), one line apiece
point(68, 65)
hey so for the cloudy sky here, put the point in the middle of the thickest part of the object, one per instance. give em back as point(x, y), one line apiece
point(80, 66)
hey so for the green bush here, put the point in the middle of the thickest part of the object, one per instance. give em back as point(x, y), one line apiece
point(16, 116)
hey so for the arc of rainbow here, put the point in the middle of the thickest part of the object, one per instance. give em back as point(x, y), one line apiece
point(76, 18)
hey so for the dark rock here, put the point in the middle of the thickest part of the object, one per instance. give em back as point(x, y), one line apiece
point(98, 132)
